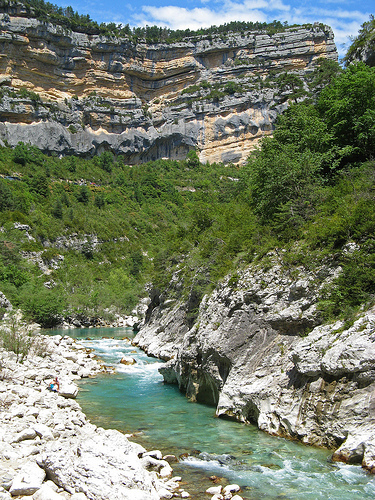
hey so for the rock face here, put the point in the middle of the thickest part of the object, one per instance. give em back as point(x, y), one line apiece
point(84, 94)
point(249, 353)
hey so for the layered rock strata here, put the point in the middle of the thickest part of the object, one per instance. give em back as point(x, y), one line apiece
point(92, 93)
point(258, 353)
point(49, 450)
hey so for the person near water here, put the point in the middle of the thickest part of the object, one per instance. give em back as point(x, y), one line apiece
point(55, 386)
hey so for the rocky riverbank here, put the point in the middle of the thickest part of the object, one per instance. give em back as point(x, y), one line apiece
point(50, 451)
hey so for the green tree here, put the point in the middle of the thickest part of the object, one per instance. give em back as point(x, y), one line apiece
point(324, 74)
point(201, 217)
point(281, 181)
point(292, 85)
point(20, 154)
point(137, 262)
point(6, 197)
point(348, 108)
point(106, 161)
point(57, 209)
point(83, 195)
point(301, 126)
point(72, 164)
point(192, 159)
point(39, 184)
point(99, 200)
point(26, 153)
point(42, 305)
point(283, 174)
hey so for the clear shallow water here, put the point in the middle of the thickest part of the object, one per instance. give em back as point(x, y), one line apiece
point(135, 400)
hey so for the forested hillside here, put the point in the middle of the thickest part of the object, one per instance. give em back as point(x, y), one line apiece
point(86, 235)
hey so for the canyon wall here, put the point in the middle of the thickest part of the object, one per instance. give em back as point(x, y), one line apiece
point(75, 93)
point(258, 352)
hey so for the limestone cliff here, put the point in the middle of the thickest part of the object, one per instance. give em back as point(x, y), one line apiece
point(69, 92)
point(258, 352)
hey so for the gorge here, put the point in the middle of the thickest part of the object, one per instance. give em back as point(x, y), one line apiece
point(125, 173)
point(258, 353)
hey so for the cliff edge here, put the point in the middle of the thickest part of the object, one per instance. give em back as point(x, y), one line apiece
point(78, 93)
point(258, 352)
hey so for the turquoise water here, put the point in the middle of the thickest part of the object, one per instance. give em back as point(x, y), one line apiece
point(135, 400)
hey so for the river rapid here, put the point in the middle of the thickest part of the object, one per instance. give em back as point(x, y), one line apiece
point(136, 401)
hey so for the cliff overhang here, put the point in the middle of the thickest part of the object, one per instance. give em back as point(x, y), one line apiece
point(79, 93)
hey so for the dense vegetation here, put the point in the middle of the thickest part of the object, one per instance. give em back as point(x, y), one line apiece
point(132, 211)
point(70, 19)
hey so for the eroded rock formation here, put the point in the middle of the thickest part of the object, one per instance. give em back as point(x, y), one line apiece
point(147, 101)
point(258, 352)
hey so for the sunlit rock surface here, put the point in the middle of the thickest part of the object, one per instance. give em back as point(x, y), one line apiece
point(107, 93)
point(258, 352)
point(48, 449)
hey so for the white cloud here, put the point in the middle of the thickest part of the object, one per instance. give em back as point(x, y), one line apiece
point(182, 18)
point(344, 22)
point(270, 5)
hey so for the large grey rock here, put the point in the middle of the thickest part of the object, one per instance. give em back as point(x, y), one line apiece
point(249, 354)
point(68, 390)
point(4, 302)
point(26, 434)
point(46, 492)
point(28, 481)
point(104, 465)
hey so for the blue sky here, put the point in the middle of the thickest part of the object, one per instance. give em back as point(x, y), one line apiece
point(344, 16)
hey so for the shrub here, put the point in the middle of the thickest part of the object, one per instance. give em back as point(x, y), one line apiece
point(192, 159)
point(42, 305)
point(83, 195)
point(16, 339)
point(57, 209)
point(106, 161)
point(39, 184)
point(232, 88)
point(72, 129)
point(99, 201)
point(20, 154)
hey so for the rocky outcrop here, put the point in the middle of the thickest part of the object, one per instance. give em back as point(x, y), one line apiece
point(367, 52)
point(258, 352)
point(4, 303)
point(363, 46)
point(84, 94)
point(49, 450)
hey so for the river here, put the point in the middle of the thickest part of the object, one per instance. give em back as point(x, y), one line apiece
point(135, 400)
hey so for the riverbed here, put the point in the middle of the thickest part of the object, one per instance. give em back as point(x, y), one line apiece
point(136, 401)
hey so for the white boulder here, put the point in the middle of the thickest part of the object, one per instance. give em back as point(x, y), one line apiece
point(28, 481)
